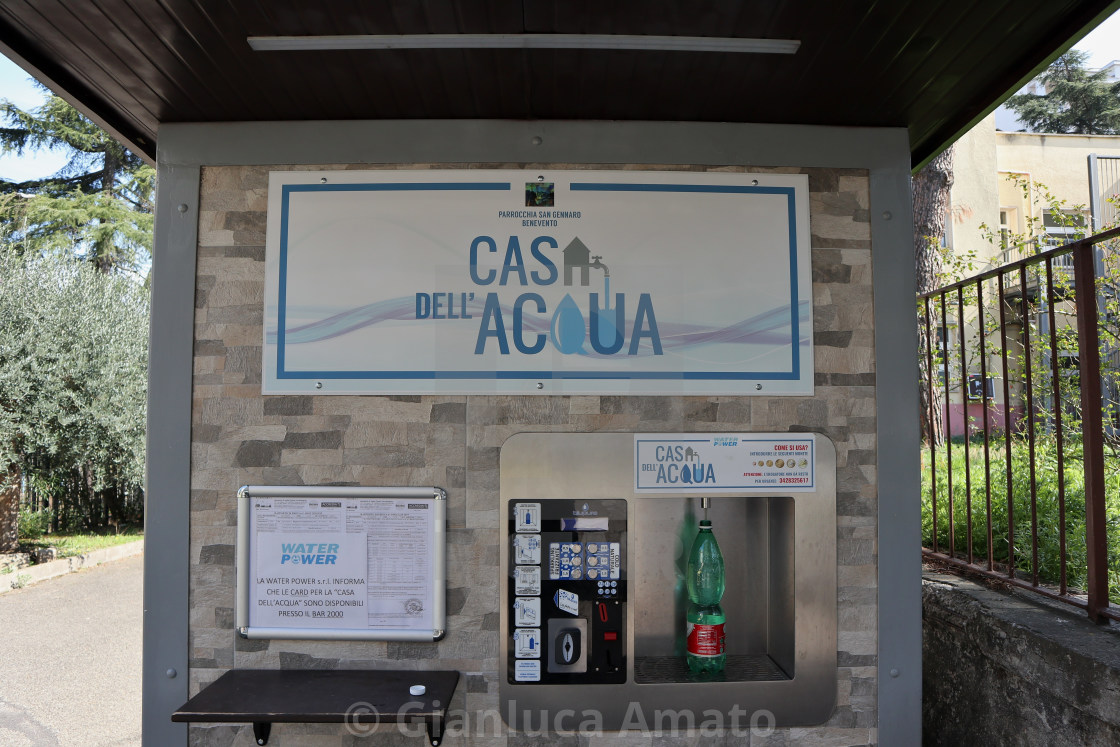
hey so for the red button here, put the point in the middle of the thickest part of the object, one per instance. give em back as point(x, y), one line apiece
point(610, 635)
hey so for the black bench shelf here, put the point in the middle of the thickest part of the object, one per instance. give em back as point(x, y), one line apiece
point(265, 697)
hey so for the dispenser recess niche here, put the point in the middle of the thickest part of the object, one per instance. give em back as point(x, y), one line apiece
point(596, 528)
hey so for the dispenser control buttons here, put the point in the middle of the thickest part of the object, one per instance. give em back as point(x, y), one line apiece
point(527, 643)
point(527, 580)
point(565, 561)
point(605, 558)
point(565, 595)
point(527, 517)
point(527, 671)
point(527, 612)
point(527, 549)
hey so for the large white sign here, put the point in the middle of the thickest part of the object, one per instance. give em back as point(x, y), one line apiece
point(554, 282)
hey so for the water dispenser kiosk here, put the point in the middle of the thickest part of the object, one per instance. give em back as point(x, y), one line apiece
point(596, 529)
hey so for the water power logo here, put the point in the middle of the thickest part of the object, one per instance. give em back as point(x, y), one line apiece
point(310, 553)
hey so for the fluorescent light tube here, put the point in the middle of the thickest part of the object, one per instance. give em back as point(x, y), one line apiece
point(525, 41)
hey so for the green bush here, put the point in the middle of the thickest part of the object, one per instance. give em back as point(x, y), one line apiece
point(33, 524)
point(1046, 510)
point(73, 385)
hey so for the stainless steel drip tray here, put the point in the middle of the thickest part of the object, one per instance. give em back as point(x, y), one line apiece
point(656, 670)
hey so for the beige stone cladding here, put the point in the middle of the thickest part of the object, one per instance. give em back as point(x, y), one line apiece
point(241, 437)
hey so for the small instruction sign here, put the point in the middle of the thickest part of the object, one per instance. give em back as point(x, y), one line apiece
point(527, 643)
point(527, 580)
point(528, 516)
point(723, 462)
point(527, 612)
point(527, 671)
point(527, 549)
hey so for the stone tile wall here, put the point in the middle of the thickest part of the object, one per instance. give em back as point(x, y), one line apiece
point(240, 437)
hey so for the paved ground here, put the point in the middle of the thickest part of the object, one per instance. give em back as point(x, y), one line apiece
point(70, 659)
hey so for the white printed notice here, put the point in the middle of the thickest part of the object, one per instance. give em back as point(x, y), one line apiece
point(723, 462)
point(310, 578)
point(347, 563)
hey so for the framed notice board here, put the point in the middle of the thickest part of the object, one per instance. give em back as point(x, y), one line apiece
point(341, 563)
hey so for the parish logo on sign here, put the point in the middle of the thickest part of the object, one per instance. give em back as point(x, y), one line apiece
point(508, 282)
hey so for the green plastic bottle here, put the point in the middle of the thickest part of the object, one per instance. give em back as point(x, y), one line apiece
point(704, 620)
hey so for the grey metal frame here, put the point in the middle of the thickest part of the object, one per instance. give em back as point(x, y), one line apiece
point(167, 510)
point(244, 562)
point(884, 152)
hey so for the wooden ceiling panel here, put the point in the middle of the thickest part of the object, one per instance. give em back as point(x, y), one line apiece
point(929, 65)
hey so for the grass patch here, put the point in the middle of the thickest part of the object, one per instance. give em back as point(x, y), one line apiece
point(69, 545)
point(1045, 507)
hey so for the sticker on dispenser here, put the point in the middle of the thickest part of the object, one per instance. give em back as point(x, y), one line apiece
point(616, 560)
point(719, 463)
point(527, 643)
point(566, 601)
point(527, 671)
point(527, 612)
point(527, 581)
point(565, 561)
point(527, 517)
point(527, 549)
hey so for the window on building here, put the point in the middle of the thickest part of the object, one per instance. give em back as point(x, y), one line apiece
point(1062, 228)
point(1005, 228)
point(945, 343)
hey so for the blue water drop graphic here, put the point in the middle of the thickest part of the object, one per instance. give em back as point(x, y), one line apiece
point(686, 474)
point(568, 326)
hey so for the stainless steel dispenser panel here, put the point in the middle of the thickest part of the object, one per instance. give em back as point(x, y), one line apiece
point(780, 551)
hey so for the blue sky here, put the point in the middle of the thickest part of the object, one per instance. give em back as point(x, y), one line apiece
point(17, 86)
point(1103, 45)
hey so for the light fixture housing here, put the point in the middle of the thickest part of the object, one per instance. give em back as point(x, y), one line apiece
point(524, 41)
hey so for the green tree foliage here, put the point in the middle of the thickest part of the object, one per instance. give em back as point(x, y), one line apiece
point(1076, 101)
point(98, 206)
point(73, 374)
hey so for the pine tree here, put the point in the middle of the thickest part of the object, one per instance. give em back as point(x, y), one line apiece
point(930, 188)
point(1076, 101)
point(98, 206)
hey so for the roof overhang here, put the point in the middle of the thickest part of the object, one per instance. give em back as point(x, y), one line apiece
point(934, 67)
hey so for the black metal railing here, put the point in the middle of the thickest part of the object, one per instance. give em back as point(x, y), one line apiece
point(1002, 495)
